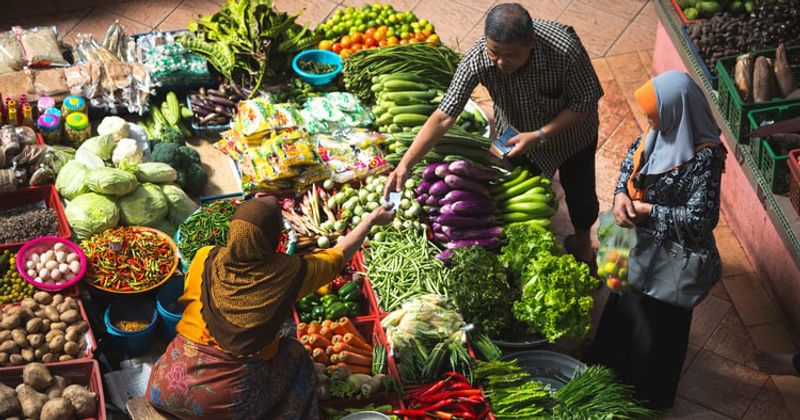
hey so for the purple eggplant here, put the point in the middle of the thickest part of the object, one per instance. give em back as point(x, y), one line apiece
point(432, 201)
point(470, 208)
point(445, 256)
point(459, 183)
point(445, 209)
point(437, 227)
point(439, 189)
point(441, 171)
point(457, 221)
point(472, 171)
point(471, 233)
point(430, 171)
point(422, 198)
point(423, 187)
point(461, 195)
point(440, 237)
point(484, 242)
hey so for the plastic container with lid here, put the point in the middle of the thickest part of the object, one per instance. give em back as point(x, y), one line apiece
point(50, 128)
point(44, 103)
point(73, 104)
point(54, 111)
point(77, 128)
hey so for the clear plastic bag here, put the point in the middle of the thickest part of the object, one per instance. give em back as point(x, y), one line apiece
point(12, 57)
point(41, 46)
point(612, 256)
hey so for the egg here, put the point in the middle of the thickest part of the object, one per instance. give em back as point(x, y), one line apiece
point(63, 268)
point(70, 276)
point(55, 274)
point(61, 256)
point(44, 274)
point(30, 264)
point(31, 273)
point(75, 266)
point(39, 265)
point(58, 246)
point(51, 264)
point(35, 257)
point(72, 257)
point(37, 280)
point(48, 256)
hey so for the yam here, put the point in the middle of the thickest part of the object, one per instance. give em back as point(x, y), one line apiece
point(9, 404)
point(763, 80)
point(743, 74)
point(57, 344)
point(20, 338)
point(52, 314)
point(43, 298)
point(34, 325)
point(30, 400)
point(70, 317)
point(57, 409)
point(84, 401)
point(57, 387)
point(9, 346)
point(37, 375)
point(783, 72)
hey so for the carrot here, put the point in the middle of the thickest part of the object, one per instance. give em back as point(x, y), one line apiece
point(327, 323)
point(302, 328)
point(348, 327)
point(325, 332)
point(312, 329)
point(340, 347)
point(330, 350)
point(307, 347)
point(357, 342)
point(337, 338)
point(355, 359)
point(334, 358)
point(319, 356)
point(355, 368)
point(316, 340)
point(304, 339)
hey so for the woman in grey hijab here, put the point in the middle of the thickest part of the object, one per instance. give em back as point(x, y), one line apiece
point(668, 188)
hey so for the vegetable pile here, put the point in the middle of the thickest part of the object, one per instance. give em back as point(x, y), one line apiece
point(761, 79)
point(13, 288)
point(342, 297)
point(127, 259)
point(315, 67)
point(207, 227)
point(337, 343)
point(44, 396)
point(451, 397)
point(521, 197)
point(456, 144)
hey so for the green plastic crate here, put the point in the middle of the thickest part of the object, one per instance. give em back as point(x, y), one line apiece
point(729, 101)
point(774, 167)
point(755, 148)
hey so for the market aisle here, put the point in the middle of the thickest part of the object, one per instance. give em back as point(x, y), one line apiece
point(720, 380)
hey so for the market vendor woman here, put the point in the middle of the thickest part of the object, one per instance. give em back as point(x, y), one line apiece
point(228, 360)
point(543, 85)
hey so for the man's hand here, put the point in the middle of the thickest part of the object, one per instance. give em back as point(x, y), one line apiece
point(382, 215)
point(522, 142)
point(642, 210)
point(397, 180)
point(624, 212)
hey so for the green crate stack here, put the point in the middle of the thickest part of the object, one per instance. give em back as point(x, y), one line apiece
point(773, 166)
point(730, 103)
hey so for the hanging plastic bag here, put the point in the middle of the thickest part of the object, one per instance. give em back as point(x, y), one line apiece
point(612, 256)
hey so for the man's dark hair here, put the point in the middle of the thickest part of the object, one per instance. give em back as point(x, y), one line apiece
point(508, 23)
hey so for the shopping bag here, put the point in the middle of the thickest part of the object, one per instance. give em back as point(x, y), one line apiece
point(612, 256)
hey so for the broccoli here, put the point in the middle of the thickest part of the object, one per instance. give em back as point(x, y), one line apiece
point(181, 179)
point(189, 155)
point(168, 134)
point(196, 179)
point(168, 153)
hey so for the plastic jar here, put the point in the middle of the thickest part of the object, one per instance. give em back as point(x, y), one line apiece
point(54, 111)
point(73, 104)
point(50, 128)
point(44, 103)
point(77, 128)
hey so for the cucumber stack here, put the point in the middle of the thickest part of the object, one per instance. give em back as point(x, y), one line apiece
point(521, 197)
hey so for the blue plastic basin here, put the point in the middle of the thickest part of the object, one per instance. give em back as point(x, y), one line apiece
point(168, 307)
point(132, 343)
point(320, 56)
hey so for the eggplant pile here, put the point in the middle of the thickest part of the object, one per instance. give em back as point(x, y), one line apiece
point(459, 204)
point(216, 106)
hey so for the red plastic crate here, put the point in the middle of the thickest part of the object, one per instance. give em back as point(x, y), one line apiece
point(681, 15)
point(31, 195)
point(794, 179)
point(79, 372)
point(361, 266)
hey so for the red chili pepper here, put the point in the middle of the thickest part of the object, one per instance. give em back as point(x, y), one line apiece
point(434, 388)
point(450, 394)
point(439, 404)
point(485, 412)
point(408, 413)
point(459, 385)
point(457, 376)
point(449, 416)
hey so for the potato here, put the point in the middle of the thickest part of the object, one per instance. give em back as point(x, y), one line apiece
point(57, 344)
point(51, 313)
point(15, 360)
point(64, 307)
point(43, 298)
point(5, 335)
point(72, 348)
point(80, 326)
point(53, 334)
point(34, 325)
point(58, 326)
point(36, 340)
point(64, 358)
point(9, 405)
point(49, 358)
point(71, 316)
point(57, 387)
point(71, 302)
point(73, 336)
point(40, 314)
point(10, 321)
point(29, 303)
point(84, 401)
point(20, 338)
point(30, 400)
point(3, 358)
point(57, 299)
point(38, 353)
point(46, 324)
point(9, 347)
point(57, 409)
point(37, 375)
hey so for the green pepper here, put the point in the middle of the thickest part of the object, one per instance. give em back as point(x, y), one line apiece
point(352, 309)
point(327, 300)
point(353, 296)
point(335, 311)
point(309, 300)
point(346, 289)
point(305, 317)
point(318, 313)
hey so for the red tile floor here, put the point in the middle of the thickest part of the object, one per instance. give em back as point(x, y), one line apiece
point(720, 379)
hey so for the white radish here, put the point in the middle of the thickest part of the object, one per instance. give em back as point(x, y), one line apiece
point(75, 266)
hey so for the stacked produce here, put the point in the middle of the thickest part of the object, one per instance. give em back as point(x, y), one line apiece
point(337, 343)
point(46, 328)
point(163, 123)
point(216, 106)
point(12, 287)
point(46, 397)
point(371, 26)
point(456, 144)
point(341, 381)
point(461, 206)
point(248, 41)
point(341, 297)
point(761, 79)
point(427, 338)
point(521, 197)
point(185, 162)
point(208, 226)
point(451, 397)
point(694, 9)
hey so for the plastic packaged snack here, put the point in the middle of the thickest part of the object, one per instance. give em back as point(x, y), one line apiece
point(40, 46)
point(294, 149)
point(260, 115)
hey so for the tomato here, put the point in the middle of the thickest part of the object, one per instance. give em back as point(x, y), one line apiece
point(345, 52)
point(369, 32)
point(370, 42)
point(393, 40)
point(357, 47)
point(357, 38)
point(433, 39)
point(403, 42)
point(337, 48)
point(419, 36)
point(325, 45)
point(379, 36)
point(346, 41)
point(383, 28)
point(383, 43)
point(427, 32)
point(413, 41)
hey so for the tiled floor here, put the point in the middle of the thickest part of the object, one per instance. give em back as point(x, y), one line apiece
point(720, 380)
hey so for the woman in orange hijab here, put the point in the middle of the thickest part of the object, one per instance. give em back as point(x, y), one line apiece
point(668, 189)
point(229, 360)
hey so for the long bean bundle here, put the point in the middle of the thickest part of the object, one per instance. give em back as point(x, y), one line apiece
point(417, 59)
point(402, 265)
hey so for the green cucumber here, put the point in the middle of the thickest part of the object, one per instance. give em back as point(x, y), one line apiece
point(412, 109)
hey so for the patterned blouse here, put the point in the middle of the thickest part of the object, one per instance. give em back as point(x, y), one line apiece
point(686, 198)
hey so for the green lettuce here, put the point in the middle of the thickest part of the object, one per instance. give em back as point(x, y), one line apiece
point(526, 243)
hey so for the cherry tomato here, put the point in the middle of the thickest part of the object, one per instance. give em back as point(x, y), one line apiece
point(325, 45)
point(357, 38)
point(369, 32)
point(383, 43)
point(403, 42)
point(346, 41)
point(433, 39)
point(356, 47)
point(419, 36)
point(370, 42)
point(345, 52)
point(383, 28)
point(337, 48)
point(412, 41)
point(379, 36)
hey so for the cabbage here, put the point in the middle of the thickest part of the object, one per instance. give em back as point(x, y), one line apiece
point(127, 150)
point(165, 226)
point(71, 180)
point(91, 213)
point(156, 172)
point(144, 206)
point(88, 159)
point(180, 205)
point(111, 181)
point(100, 146)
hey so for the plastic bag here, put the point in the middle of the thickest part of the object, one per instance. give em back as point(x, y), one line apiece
point(41, 46)
point(294, 149)
point(612, 256)
point(12, 58)
point(259, 115)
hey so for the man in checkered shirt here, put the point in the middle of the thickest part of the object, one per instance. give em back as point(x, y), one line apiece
point(543, 85)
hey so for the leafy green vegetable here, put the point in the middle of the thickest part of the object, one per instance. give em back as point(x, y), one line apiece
point(478, 284)
point(526, 242)
point(596, 394)
point(511, 391)
point(556, 297)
